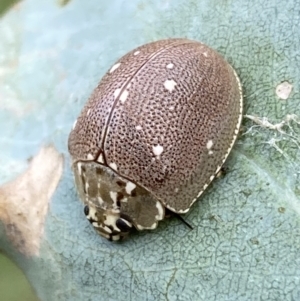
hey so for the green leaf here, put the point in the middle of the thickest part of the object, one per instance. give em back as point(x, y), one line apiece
point(246, 236)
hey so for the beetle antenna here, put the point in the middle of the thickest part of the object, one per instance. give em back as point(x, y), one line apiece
point(183, 220)
point(170, 213)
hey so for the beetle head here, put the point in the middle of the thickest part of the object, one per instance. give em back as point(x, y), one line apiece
point(113, 204)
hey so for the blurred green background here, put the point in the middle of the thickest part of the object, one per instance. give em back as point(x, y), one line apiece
point(6, 4)
point(13, 284)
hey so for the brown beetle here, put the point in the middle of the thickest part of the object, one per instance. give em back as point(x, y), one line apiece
point(154, 134)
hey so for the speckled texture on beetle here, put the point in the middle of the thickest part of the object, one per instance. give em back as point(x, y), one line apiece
point(154, 134)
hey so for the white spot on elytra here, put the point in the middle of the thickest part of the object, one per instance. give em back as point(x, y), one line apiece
point(117, 93)
point(136, 53)
point(124, 96)
point(74, 124)
point(284, 90)
point(205, 54)
point(176, 190)
point(125, 200)
point(210, 153)
point(170, 85)
point(88, 112)
point(129, 187)
point(157, 150)
point(211, 177)
point(209, 144)
point(113, 166)
point(170, 66)
point(114, 67)
point(90, 157)
point(138, 127)
point(100, 158)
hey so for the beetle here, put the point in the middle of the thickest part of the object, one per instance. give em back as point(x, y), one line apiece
point(154, 133)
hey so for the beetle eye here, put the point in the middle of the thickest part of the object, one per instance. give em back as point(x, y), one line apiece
point(86, 210)
point(123, 225)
